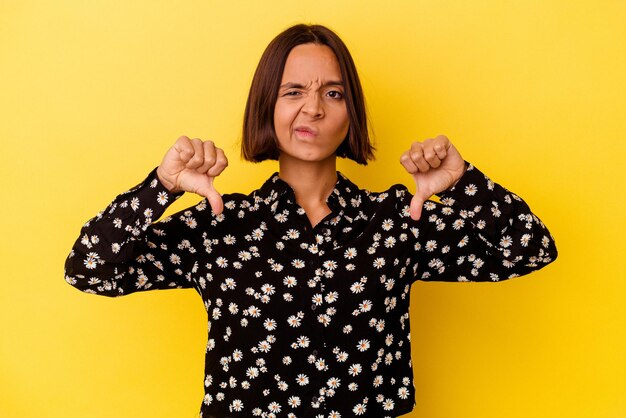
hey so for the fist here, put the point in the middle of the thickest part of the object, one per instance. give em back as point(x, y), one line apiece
point(191, 165)
point(435, 165)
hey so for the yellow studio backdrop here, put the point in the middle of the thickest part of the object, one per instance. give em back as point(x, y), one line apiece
point(92, 94)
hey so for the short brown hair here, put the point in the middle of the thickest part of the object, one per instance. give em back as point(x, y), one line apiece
point(259, 136)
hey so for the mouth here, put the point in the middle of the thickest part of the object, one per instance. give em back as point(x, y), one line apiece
point(305, 132)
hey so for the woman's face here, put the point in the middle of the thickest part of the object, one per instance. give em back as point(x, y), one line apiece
point(310, 117)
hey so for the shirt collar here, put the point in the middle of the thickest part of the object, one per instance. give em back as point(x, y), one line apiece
point(345, 197)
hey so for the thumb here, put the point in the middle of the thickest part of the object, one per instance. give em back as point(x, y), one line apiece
point(415, 210)
point(213, 197)
point(215, 200)
point(417, 203)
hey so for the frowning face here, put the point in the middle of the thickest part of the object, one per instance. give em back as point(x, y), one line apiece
point(310, 117)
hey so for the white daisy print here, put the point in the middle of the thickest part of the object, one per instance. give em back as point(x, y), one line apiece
point(304, 317)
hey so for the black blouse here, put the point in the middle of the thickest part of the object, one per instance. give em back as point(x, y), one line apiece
point(308, 322)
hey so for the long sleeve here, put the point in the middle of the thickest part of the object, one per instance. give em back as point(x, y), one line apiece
point(121, 250)
point(481, 232)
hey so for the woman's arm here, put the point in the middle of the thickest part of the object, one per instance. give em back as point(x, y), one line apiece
point(481, 232)
point(121, 251)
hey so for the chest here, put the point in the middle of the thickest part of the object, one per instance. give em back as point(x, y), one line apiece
point(339, 267)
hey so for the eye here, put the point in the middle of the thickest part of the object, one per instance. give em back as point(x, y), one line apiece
point(335, 94)
point(292, 93)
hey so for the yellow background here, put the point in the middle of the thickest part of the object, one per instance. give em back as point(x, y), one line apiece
point(92, 93)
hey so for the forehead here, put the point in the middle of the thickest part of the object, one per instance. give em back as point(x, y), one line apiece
point(310, 61)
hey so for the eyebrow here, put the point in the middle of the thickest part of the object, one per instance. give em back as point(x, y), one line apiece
point(291, 84)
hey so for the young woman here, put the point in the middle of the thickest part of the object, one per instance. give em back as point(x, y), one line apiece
point(306, 280)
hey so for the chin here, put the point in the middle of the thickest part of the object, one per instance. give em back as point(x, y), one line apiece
point(312, 156)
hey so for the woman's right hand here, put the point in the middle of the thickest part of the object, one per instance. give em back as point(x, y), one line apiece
point(191, 165)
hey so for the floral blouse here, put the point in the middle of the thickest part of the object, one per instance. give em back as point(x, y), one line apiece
point(308, 321)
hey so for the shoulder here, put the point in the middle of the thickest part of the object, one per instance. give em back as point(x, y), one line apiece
point(396, 198)
point(395, 193)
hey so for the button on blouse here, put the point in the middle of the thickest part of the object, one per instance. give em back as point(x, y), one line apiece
point(308, 321)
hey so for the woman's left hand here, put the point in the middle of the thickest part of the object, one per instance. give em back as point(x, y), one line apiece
point(435, 165)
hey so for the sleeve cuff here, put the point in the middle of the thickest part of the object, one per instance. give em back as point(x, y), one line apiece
point(473, 188)
point(148, 200)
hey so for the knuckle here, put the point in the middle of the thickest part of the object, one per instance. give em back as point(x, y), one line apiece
point(415, 156)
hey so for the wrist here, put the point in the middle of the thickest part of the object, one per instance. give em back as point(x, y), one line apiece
point(171, 187)
point(458, 179)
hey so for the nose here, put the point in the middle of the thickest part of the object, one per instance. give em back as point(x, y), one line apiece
point(313, 106)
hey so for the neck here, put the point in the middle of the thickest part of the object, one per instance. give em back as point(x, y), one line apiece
point(312, 182)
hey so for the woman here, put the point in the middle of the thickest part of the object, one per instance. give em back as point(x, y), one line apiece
point(306, 280)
